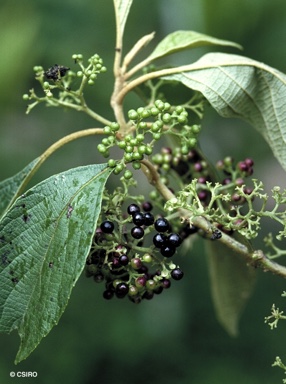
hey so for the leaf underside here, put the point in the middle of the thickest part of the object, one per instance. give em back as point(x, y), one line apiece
point(232, 282)
point(240, 87)
point(182, 40)
point(44, 240)
point(10, 187)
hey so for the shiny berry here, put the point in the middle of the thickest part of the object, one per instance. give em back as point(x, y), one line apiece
point(123, 260)
point(133, 208)
point(162, 225)
point(177, 274)
point(136, 263)
point(107, 226)
point(159, 240)
point(168, 250)
point(138, 218)
point(174, 239)
point(149, 218)
point(121, 290)
point(137, 232)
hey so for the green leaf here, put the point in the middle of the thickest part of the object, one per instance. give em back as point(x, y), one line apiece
point(232, 282)
point(240, 87)
point(10, 187)
point(44, 240)
point(182, 40)
point(122, 9)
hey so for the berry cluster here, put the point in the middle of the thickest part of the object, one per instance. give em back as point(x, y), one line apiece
point(148, 125)
point(60, 78)
point(118, 256)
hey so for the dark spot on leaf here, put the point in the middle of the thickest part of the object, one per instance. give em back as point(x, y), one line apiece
point(70, 209)
point(4, 258)
point(15, 280)
point(23, 205)
point(2, 239)
point(51, 299)
point(51, 264)
point(11, 272)
point(26, 217)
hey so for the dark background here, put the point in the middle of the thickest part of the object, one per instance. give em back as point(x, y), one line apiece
point(175, 337)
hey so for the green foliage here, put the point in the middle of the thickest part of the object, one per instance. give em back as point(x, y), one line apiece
point(240, 87)
point(232, 283)
point(45, 239)
point(50, 232)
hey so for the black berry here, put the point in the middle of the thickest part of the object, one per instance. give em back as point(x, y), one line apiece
point(123, 259)
point(159, 240)
point(168, 251)
point(108, 294)
point(137, 232)
point(174, 239)
point(138, 218)
point(107, 226)
point(149, 218)
point(162, 224)
point(147, 206)
point(121, 290)
point(177, 274)
point(133, 208)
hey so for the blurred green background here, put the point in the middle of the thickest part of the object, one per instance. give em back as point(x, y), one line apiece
point(175, 337)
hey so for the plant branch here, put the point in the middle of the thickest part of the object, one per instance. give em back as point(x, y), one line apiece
point(256, 258)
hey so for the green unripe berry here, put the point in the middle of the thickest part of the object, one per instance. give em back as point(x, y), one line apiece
point(79, 73)
point(128, 174)
point(192, 142)
point(25, 96)
point(129, 149)
point(142, 125)
point(142, 149)
point(166, 167)
point(196, 129)
point(160, 105)
point(179, 109)
point(105, 142)
point(156, 135)
point(155, 111)
point(90, 82)
point(128, 157)
point(111, 163)
point(166, 118)
point(184, 150)
point(101, 148)
point(182, 119)
point(147, 258)
point(114, 127)
point(107, 129)
point(148, 150)
point(93, 76)
point(103, 69)
point(136, 165)
point(137, 156)
point(140, 138)
point(146, 113)
point(133, 142)
point(140, 110)
point(150, 284)
point(132, 114)
point(155, 127)
point(158, 159)
point(167, 106)
point(118, 169)
point(133, 291)
point(121, 144)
